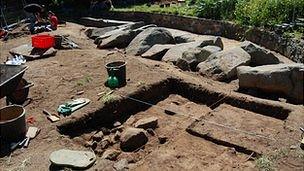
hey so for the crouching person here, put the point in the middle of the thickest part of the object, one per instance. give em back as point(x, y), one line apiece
point(53, 21)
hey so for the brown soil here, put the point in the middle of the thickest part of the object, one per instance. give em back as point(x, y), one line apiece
point(58, 79)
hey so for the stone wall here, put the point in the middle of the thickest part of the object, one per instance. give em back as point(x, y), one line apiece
point(293, 49)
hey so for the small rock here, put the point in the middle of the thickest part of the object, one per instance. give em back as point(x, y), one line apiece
point(151, 132)
point(88, 144)
point(98, 136)
point(117, 136)
point(131, 120)
point(79, 92)
point(94, 145)
point(162, 139)
point(132, 139)
point(104, 144)
point(146, 123)
point(111, 154)
point(121, 164)
point(105, 131)
point(120, 129)
point(293, 147)
point(117, 124)
point(71, 158)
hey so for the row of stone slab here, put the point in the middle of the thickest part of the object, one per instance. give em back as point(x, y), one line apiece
point(205, 54)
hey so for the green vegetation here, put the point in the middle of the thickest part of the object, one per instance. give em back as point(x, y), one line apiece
point(84, 81)
point(183, 10)
point(268, 162)
point(268, 12)
point(265, 13)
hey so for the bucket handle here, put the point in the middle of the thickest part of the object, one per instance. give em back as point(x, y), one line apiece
point(122, 56)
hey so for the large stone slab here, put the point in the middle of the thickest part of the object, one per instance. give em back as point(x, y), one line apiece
point(120, 29)
point(93, 33)
point(146, 39)
point(286, 79)
point(31, 53)
point(222, 66)
point(121, 39)
point(193, 56)
point(157, 51)
point(244, 130)
point(99, 22)
point(177, 51)
point(259, 55)
point(72, 158)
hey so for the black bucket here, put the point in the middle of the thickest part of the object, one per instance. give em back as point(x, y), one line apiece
point(117, 69)
point(58, 41)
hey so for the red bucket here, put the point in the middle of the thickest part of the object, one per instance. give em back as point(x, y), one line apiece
point(43, 41)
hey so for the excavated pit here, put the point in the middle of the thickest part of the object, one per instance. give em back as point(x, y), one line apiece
point(122, 108)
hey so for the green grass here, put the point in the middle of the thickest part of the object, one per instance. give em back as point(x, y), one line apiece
point(182, 10)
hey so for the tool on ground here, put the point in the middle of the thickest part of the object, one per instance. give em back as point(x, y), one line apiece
point(32, 132)
point(71, 106)
point(51, 117)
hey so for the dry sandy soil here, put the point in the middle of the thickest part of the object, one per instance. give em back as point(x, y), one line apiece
point(58, 79)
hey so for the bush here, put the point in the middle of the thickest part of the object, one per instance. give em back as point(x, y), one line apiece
point(216, 9)
point(268, 12)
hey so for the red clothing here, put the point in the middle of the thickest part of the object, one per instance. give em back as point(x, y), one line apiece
point(54, 22)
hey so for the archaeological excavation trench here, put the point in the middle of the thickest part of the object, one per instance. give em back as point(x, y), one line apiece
point(224, 119)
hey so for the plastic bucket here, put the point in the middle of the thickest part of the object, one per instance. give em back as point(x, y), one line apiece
point(12, 123)
point(117, 69)
point(43, 41)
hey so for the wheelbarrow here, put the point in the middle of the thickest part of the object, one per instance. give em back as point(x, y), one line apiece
point(12, 85)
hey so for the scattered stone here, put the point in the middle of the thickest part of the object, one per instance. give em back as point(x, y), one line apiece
point(102, 164)
point(111, 154)
point(130, 120)
point(71, 158)
point(286, 79)
point(132, 139)
point(120, 129)
point(146, 39)
point(176, 52)
point(117, 136)
point(98, 136)
point(121, 164)
point(259, 55)
point(117, 124)
point(104, 143)
point(88, 143)
point(222, 66)
point(151, 131)
point(94, 145)
point(105, 131)
point(146, 123)
point(162, 139)
point(156, 52)
point(30, 53)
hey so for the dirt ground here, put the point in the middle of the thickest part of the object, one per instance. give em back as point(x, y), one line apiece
point(58, 79)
